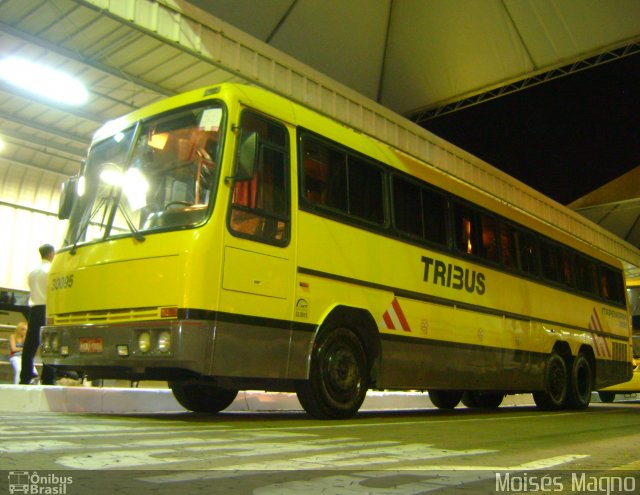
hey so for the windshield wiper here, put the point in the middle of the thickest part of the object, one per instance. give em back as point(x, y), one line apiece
point(134, 232)
point(104, 202)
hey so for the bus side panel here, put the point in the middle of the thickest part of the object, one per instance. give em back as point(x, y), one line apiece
point(432, 364)
point(491, 329)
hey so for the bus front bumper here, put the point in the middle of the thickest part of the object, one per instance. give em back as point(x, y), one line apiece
point(140, 350)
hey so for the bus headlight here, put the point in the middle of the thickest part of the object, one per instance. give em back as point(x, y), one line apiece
point(46, 342)
point(55, 342)
point(144, 341)
point(164, 341)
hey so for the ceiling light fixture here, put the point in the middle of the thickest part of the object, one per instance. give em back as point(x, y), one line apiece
point(44, 81)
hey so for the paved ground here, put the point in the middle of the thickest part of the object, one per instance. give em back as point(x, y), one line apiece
point(511, 450)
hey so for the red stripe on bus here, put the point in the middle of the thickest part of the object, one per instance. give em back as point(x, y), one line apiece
point(388, 321)
point(400, 315)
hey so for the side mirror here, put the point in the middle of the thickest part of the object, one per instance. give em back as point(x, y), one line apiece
point(247, 157)
point(68, 196)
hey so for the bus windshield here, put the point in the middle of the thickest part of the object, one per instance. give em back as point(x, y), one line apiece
point(158, 174)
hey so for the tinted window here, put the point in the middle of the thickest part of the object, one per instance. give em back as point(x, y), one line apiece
point(407, 207)
point(365, 190)
point(508, 243)
point(611, 285)
point(567, 268)
point(337, 180)
point(475, 232)
point(419, 211)
point(527, 247)
point(586, 275)
point(550, 261)
point(465, 229)
point(488, 237)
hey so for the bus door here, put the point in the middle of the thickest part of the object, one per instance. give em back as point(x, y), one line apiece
point(253, 331)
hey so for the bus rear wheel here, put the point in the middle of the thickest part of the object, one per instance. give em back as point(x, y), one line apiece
point(202, 398)
point(554, 395)
point(580, 383)
point(478, 398)
point(445, 399)
point(337, 383)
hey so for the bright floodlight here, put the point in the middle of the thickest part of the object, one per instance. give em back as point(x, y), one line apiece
point(44, 81)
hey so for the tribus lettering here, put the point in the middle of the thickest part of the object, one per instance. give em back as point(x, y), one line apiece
point(454, 276)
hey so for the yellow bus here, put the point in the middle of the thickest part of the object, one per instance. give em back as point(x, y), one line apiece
point(228, 239)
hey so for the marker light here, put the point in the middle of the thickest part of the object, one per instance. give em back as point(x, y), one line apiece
point(44, 81)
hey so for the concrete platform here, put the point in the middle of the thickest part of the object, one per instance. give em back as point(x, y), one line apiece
point(43, 398)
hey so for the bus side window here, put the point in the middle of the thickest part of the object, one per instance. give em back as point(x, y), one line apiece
point(260, 205)
point(366, 196)
point(550, 258)
point(508, 245)
point(434, 214)
point(341, 181)
point(465, 227)
point(566, 268)
point(324, 175)
point(407, 207)
point(315, 180)
point(475, 232)
point(586, 275)
point(489, 240)
point(419, 211)
point(611, 286)
point(527, 249)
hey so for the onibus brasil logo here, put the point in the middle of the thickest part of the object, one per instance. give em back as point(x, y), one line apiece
point(34, 483)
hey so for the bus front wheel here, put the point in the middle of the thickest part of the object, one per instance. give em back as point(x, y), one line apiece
point(202, 398)
point(337, 382)
point(554, 395)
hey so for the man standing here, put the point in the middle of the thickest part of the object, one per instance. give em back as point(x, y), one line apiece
point(37, 317)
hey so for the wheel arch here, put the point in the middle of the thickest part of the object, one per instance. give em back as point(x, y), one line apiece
point(563, 349)
point(361, 322)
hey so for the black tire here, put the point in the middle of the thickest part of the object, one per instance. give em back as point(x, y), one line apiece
point(338, 378)
point(580, 383)
point(607, 397)
point(554, 395)
point(202, 398)
point(478, 398)
point(445, 399)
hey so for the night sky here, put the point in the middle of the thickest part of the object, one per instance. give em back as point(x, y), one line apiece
point(564, 138)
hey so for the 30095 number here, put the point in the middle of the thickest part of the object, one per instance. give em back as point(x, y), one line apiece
point(64, 282)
